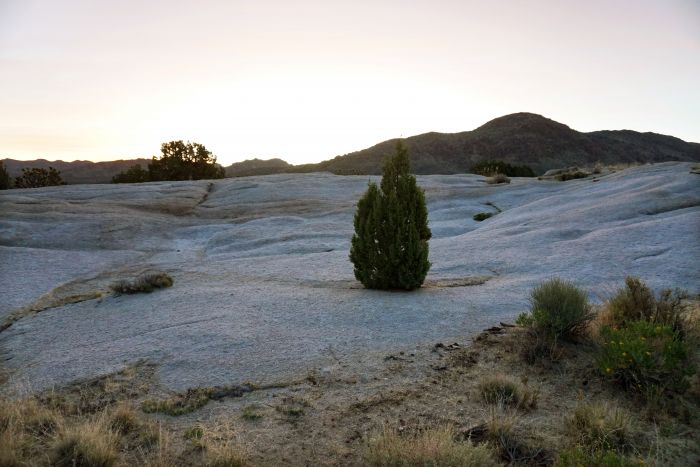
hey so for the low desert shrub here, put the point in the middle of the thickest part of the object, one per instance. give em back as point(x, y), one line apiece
point(506, 391)
point(636, 301)
point(558, 309)
point(432, 447)
point(88, 444)
point(645, 357)
point(195, 434)
point(145, 283)
point(600, 427)
point(482, 216)
point(566, 176)
point(498, 179)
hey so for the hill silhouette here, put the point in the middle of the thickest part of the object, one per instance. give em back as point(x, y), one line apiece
point(518, 139)
point(77, 172)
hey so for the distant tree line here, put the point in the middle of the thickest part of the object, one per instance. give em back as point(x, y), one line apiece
point(178, 161)
point(490, 168)
point(30, 178)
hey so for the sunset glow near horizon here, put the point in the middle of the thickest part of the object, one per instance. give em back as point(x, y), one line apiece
point(311, 79)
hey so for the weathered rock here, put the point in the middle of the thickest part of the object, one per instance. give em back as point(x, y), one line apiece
point(263, 286)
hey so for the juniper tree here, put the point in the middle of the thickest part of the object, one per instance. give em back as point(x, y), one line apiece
point(390, 246)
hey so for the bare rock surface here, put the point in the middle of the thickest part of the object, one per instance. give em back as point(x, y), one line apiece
point(263, 286)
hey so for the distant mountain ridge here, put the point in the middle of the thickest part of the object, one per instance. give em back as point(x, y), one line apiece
point(518, 139)
point(76, 172)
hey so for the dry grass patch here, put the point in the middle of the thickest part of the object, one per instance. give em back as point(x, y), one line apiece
point(507, 391)
point(432, 447)
point(146, 283)
point(91, 443)
point(603, 427)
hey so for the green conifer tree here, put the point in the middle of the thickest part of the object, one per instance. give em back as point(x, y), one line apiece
point(389, 249)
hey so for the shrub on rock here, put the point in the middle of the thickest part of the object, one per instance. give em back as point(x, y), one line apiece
point(558, 309)
point(390, 245)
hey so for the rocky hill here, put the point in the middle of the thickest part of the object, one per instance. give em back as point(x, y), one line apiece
point(519, 139)
point(77, 172)
point(257, 167)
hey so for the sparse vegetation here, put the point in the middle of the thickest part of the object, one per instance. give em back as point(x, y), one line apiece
point(599, 427)
point(251, 412)
point(226, 455)
point(38, 177)
point(145, 283)
point(558, 309)
point(566, 176)
point(482, 216)
point(434, 447)
point(507, 391)
point(490, 168)
point(390, 245)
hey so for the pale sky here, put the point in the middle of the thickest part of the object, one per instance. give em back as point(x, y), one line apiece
point(307, 80)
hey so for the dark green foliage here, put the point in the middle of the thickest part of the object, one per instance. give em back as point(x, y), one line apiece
point(184, 161)
point(558, 309)
point(5, 179)
point(493, 168)
point(645, 357)
point(482, 216)
point(563, 177)
point(135, 174)
point(178, 161)
point(143, 284)
point(390, 245)
point(36, 178)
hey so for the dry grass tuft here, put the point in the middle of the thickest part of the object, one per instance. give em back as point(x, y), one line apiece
point(435, 447)
point(498, 179)
point(90, 443)
point(602, 427)
point(145, 283)
point(507, 391)
point(226, 455)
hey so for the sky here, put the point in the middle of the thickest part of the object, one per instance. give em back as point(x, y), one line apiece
point(307, 80)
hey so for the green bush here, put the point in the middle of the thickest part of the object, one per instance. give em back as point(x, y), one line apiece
point(645, 357)
point(491, 168)
point(390, 246)
point(558, 309)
